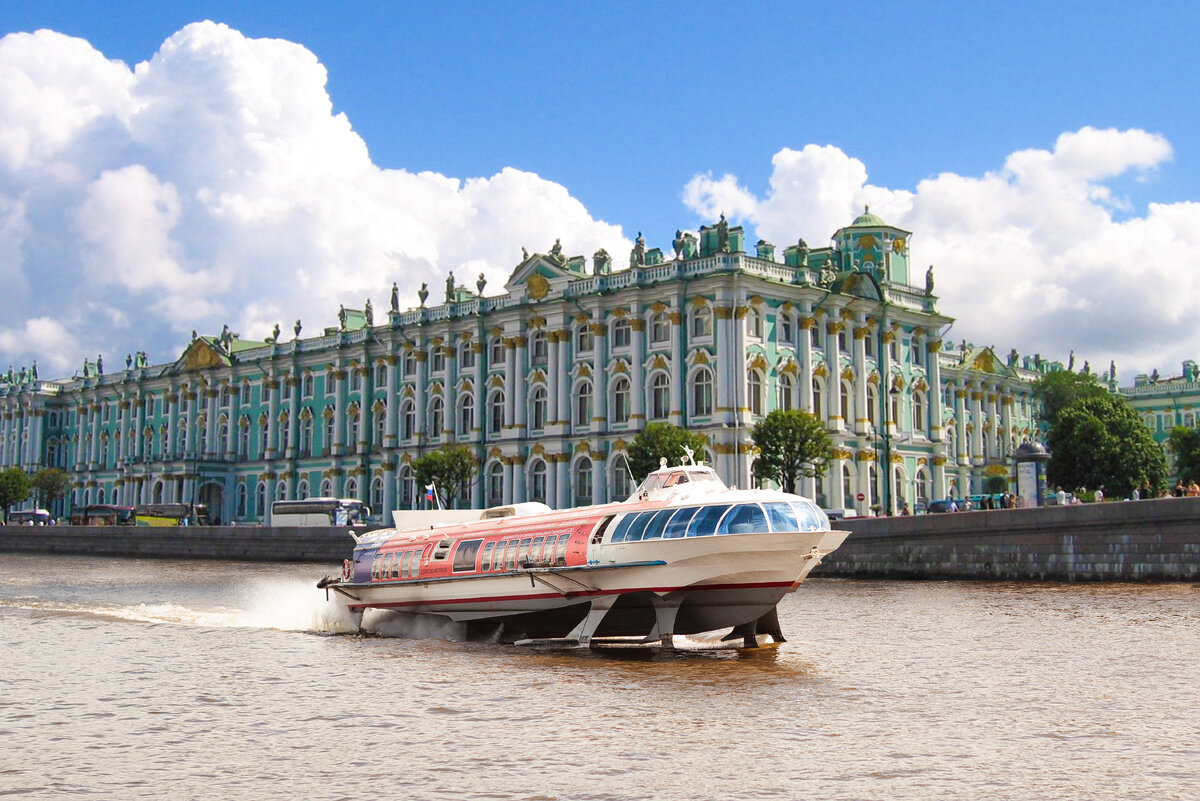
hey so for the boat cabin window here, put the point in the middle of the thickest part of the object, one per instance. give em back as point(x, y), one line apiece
point(782, 516)
point(677, 526)
point(560, 554)
point(745, 518)
point(523, 552)
point(705, 521)
point(395, 569)
point(810, 517)
point(485, 561)
point(415, 568)
point(375, 565)
point(510, 556)
point(535, 551)
point(656, 524)
point(464, 555)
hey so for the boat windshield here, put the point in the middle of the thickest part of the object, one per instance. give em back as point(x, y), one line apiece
point(661, 479)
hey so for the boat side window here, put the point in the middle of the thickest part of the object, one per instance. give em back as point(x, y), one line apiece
point(654, 530)
point(806, 514)
point(415, 569)
point(638, 527)
point(705, 521)
point(510, 558)
point(395, 570)
point(535, 551)
point(375, 566)
point(745, 518)
point(604, 524)
point(622, 529)
point(677, 526)
point(485, 562)
point(782, 516)
point(404, 560)
point(523, 552)
point(560, 554)
point(464, 555)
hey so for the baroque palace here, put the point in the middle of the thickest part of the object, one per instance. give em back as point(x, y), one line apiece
point(549, 382)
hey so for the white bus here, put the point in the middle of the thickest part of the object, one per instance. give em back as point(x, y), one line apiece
point(320, 512)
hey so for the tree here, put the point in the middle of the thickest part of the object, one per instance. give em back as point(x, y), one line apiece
point(657, 441)
point(14, 488)
point(1184, 442)
point(791, 444)
point(449, 468)
point(1058, 390)
point(50, 483)
point(1102, 441)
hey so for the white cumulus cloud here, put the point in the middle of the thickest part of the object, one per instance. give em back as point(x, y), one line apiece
point(1031, 255)
point(214, 184)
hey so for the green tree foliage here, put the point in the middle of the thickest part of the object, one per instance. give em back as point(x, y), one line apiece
point(1058, 390)
point(1184, 442)
point(14, 488)
point(50, 484)
point(450, 468)
point(1102, 441)
point(791, 444)
point(661, 440)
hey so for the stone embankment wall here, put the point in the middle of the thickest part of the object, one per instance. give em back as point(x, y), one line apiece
point(244, 543)
point(1141, 541)
point(1156, 540)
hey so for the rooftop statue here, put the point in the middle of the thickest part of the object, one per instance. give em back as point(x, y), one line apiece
point(802, 251)
point(929, 281)
point(556, 254)
point(128, 361)
point(722, 234)
point(395, 297)
point(341, 317)
point(275, 333)
point(480, 284)
point(99, 365)
point(828, 274)
point(450, 287)
point(1071, 361)
point(678, 244)
point(296, 328)
point(33, 371)
point(637, 256)
point(369, 312)
point(423, 292)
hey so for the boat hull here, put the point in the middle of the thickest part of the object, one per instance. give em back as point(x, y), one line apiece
point(707, 583)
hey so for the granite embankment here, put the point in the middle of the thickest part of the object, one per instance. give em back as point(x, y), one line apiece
point(1143, 541)
point(1156, 540)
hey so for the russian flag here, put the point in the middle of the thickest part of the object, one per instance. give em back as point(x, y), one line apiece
point(429, 492)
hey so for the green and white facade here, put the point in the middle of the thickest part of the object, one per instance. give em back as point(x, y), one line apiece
point(549, 382)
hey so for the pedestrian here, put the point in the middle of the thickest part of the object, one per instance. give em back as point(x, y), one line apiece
point(1099, 497)
point(1193, 489)
point(1180, 489)
point(1061, 497)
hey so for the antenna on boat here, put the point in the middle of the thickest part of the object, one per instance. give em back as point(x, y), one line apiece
point(632, 481)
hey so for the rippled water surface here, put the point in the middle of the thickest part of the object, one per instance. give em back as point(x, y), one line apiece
point(130, 679)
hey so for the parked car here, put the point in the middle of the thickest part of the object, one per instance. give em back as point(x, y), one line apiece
point(944, 505)
point(840, 514)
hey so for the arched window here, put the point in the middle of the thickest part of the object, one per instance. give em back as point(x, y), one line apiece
point(495, 484)
point(466, 414)
point(660, 396)
point(407, 487)
point(922, 486)
point(328, 434)
point(264, 434)
point(583, 339)
point(622, 334)
point(100, 495)
point(818, 399)
point(260, 500)
point(537, 408)
point(436, 417)
point(583, 482)
point(308, 386)
point(496, 412)
point(326, 489)
point(244, 439)
point(281, 491)
point(379, 425)
point(306, 435)
point(754, 323)
point(376, 502)
point(351, 490)
point(539, 351)
point(496, 351)
point(222, 436)
point(201, 438)
point(148, 444)
point(240, 509)
point(660, 328)
point(894, 401)
point(466, 355)
point(537, 481)
point(408, 419)
point(754, 392)
point(785, 332)
point(702, 392)
point(583, 403)
point(302, 489)
point(621, 400)
point(787, 392)
point(873, 405)
point(702, 322)
point(918, 412)
point(844, 395)
point(355, 422)
point(847, 486)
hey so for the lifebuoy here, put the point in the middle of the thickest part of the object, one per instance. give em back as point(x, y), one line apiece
point(347, 569)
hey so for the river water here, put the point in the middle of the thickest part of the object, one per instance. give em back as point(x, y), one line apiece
point(127, 679)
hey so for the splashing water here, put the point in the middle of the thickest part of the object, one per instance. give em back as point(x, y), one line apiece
point(389, 623)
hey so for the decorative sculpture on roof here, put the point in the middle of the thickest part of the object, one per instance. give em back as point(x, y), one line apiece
point(296, 328)
point(678, 244)
point(524, 254)
point(423, 292)
point(1112, 371)
point(802, 251)
point(128, 361)
point(722, 234)
point(450, 288)
point(99, 365)
point(275, 333)
point(11, 376)
point(637, 256)
point(601, 262)
point(480, 284)
point(33, 370)
point(929, 281)
point(828, 274)
point(1013, 356)
point(1071, 361)
point(369, 312)
point(556, 254)
point(395, 297)
point(1087, 368)
point(341, 317)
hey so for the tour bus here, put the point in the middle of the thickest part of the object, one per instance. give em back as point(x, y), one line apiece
point(171, 514)
point(99, 514)
point(320, 512)
point(29, 517)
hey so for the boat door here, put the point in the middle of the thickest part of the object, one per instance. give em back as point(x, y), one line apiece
point(594, 550)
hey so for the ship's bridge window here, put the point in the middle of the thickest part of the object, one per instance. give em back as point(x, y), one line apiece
point(464, 555)
point(745, 518)
point(705, 521)
point(678, 477)
point(782, 516)
point(810, 517)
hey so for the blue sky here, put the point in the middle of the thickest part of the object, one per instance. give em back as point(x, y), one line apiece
point(625, 104)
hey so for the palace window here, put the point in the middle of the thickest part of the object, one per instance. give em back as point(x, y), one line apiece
point(583, 482)
point(537, 408)
point(496, 412)
point(583, 339)
point(660, 396)
point(660, 328)
point(538, 350)
point(437, 361)
point(785, 332)
point(787, 392)
point(621, 399)
point(436, 417)
point(466, 415)
point(583, 403)
point(537, 481)
point(702, 326)
point(702, 392)
point(622, 334)
point(466, 355)
point(754, 323)
point(754, 390)
point(496, 349)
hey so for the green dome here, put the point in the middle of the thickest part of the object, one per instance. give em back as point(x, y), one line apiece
point(867, 220)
